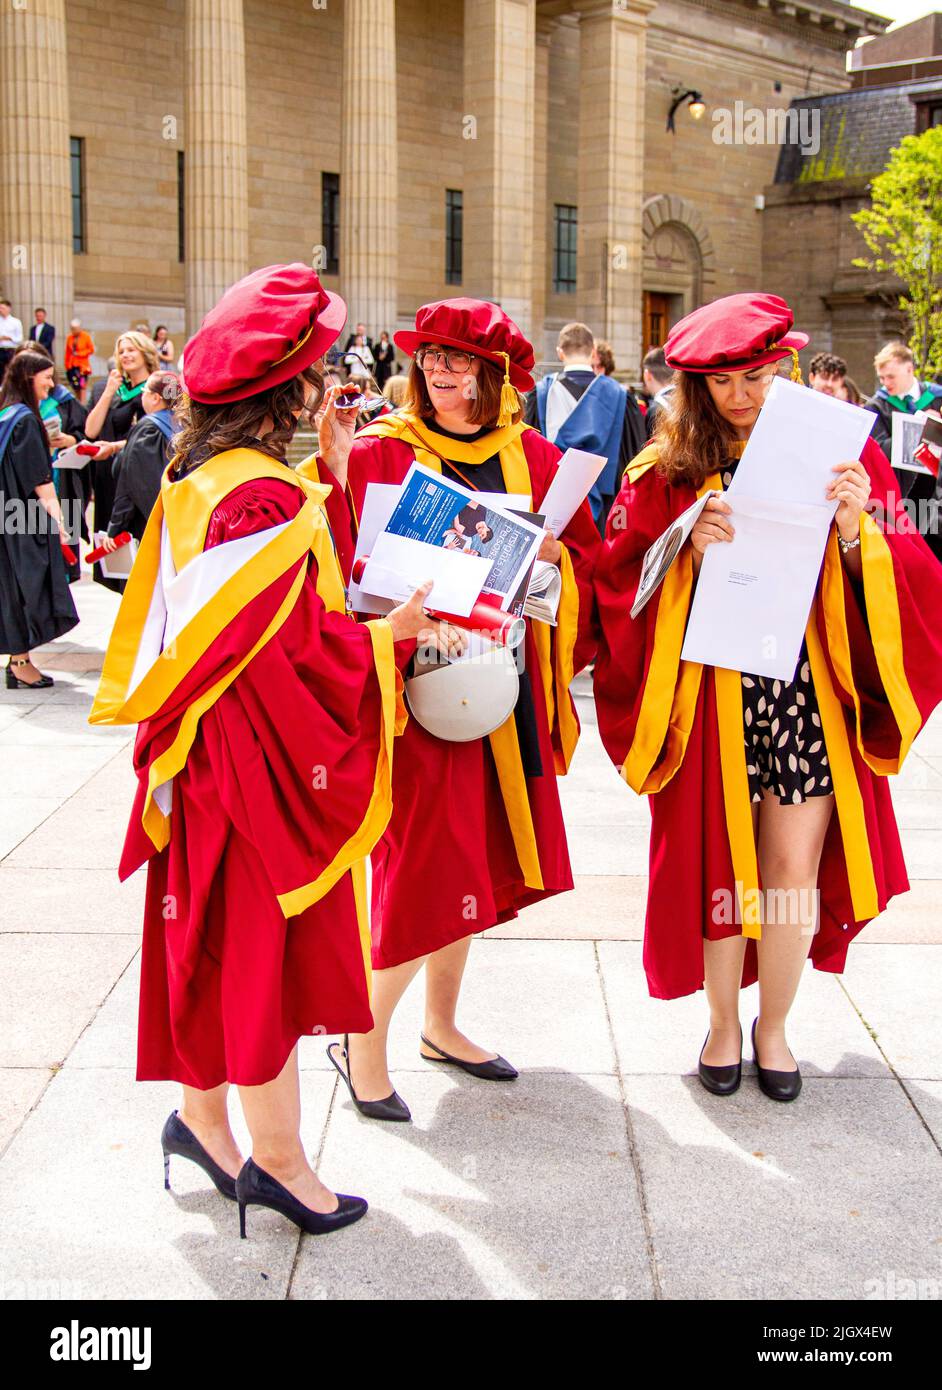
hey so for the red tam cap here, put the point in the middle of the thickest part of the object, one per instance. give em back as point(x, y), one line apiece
point(266, 329)
point(735, 334)
point(480, 328)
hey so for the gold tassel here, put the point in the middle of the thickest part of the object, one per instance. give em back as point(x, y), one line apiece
point(509, 400)
point(796, 366)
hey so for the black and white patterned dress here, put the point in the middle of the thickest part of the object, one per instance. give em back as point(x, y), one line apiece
point(782, 725)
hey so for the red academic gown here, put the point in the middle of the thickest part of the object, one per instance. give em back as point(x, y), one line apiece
point(675, 729)
point(449, 863)
point(280, 777)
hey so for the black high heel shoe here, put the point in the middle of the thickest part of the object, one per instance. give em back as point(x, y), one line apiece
point(777, 1085)
point(720, 1081)
point(392, 1107)
point(256, 1188)
point(14, 682)
point(177, 1138)
point(497, 1069)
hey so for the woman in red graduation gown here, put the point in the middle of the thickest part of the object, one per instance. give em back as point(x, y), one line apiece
point(476, 831)
point(752, 781)
point(267, 718)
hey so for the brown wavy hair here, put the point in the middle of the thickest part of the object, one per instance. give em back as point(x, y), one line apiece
point(485, 407)
point(692, 437)
point(212, 429)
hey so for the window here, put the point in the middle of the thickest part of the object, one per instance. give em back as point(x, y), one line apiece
point(181, 207)
point(330, 221)
point(77, 160)
point(565, 227)
point(454, 235)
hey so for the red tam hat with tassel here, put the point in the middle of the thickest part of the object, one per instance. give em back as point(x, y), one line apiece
point(735, 334)
point(482, 329)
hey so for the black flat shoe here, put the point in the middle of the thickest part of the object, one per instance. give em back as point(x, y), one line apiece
point(777, 1085)
point(496, 1070)
point(177, 1138)
point(720, 1081)
point(256, 1188)
point(14, 682)
point(393, 1107)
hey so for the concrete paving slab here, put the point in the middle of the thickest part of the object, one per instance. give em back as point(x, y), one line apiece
point(751, 1199)
point(26, 775)
point(897, 992)
point(606, 849)
point(926, 1098)
point(60, 726)
point(19, 818)
point(20, 1089)
point(539, 1004)
point(664, 1036)
point(53, 985)
point(607, 907)
point(82, 1202)
point(85, 901)
point(484, 1196)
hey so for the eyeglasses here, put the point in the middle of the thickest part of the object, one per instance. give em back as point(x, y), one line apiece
point(454, 360)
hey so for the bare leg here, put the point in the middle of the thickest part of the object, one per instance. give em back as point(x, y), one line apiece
point(722, 978)
point(206, 1113)
point(722, 981)
point(273, 1115)
point(369, 1068)
point(791, 839)
point(444, 971)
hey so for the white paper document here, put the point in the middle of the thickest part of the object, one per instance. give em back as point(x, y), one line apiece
point(117, 564)
point(905, 440)
point(754, 593)
point(441, 531)
point(575, 475)
point(71, 458)
point(799, 436)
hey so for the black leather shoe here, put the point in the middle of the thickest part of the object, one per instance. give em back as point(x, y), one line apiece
point(256, 1188)
point(392, 1107)
point(177, 1138)
point(498, 1069)
point(777, 1085)
point(720, 1081)
point(14, 682)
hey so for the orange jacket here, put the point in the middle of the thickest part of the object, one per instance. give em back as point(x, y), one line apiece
point(78, 350)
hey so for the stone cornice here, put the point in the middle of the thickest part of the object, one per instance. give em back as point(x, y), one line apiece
point(830, 22)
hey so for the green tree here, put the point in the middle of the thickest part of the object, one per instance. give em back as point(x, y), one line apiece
point(903, 231)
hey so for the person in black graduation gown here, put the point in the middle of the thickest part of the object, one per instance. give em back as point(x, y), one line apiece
point(35, 603)
point(74, 485)
point(110, 419)
point(144, 458)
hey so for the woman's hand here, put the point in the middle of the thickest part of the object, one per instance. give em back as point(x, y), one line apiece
point(115, 377)
point(851, 488)
point(550, 550)
point(335, 433)
point(712, 525)
point(109, 544)
point(411, 620)
point(107, 448)
point(65, 441)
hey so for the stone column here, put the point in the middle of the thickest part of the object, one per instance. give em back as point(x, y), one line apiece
point(539, 241)
point(216, 194)
point(35, 176)
point(499, 61)
point(369, 177)
point(611, 172)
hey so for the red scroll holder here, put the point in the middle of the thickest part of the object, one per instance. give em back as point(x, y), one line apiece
point(94, 556)
point(486, 617)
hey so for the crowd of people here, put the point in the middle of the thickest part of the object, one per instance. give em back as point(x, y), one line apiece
point(275, 752)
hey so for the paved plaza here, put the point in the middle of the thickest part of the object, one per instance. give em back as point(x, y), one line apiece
point(604, 1172)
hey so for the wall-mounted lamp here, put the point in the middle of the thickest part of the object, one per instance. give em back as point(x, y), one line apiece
point(697, 106)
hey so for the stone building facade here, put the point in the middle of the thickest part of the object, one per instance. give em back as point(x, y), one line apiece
point(517, 150)
point(810, 243)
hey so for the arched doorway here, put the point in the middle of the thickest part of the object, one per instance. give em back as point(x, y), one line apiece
point(679, 265)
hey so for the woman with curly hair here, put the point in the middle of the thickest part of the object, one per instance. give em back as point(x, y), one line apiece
point(772, 827)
